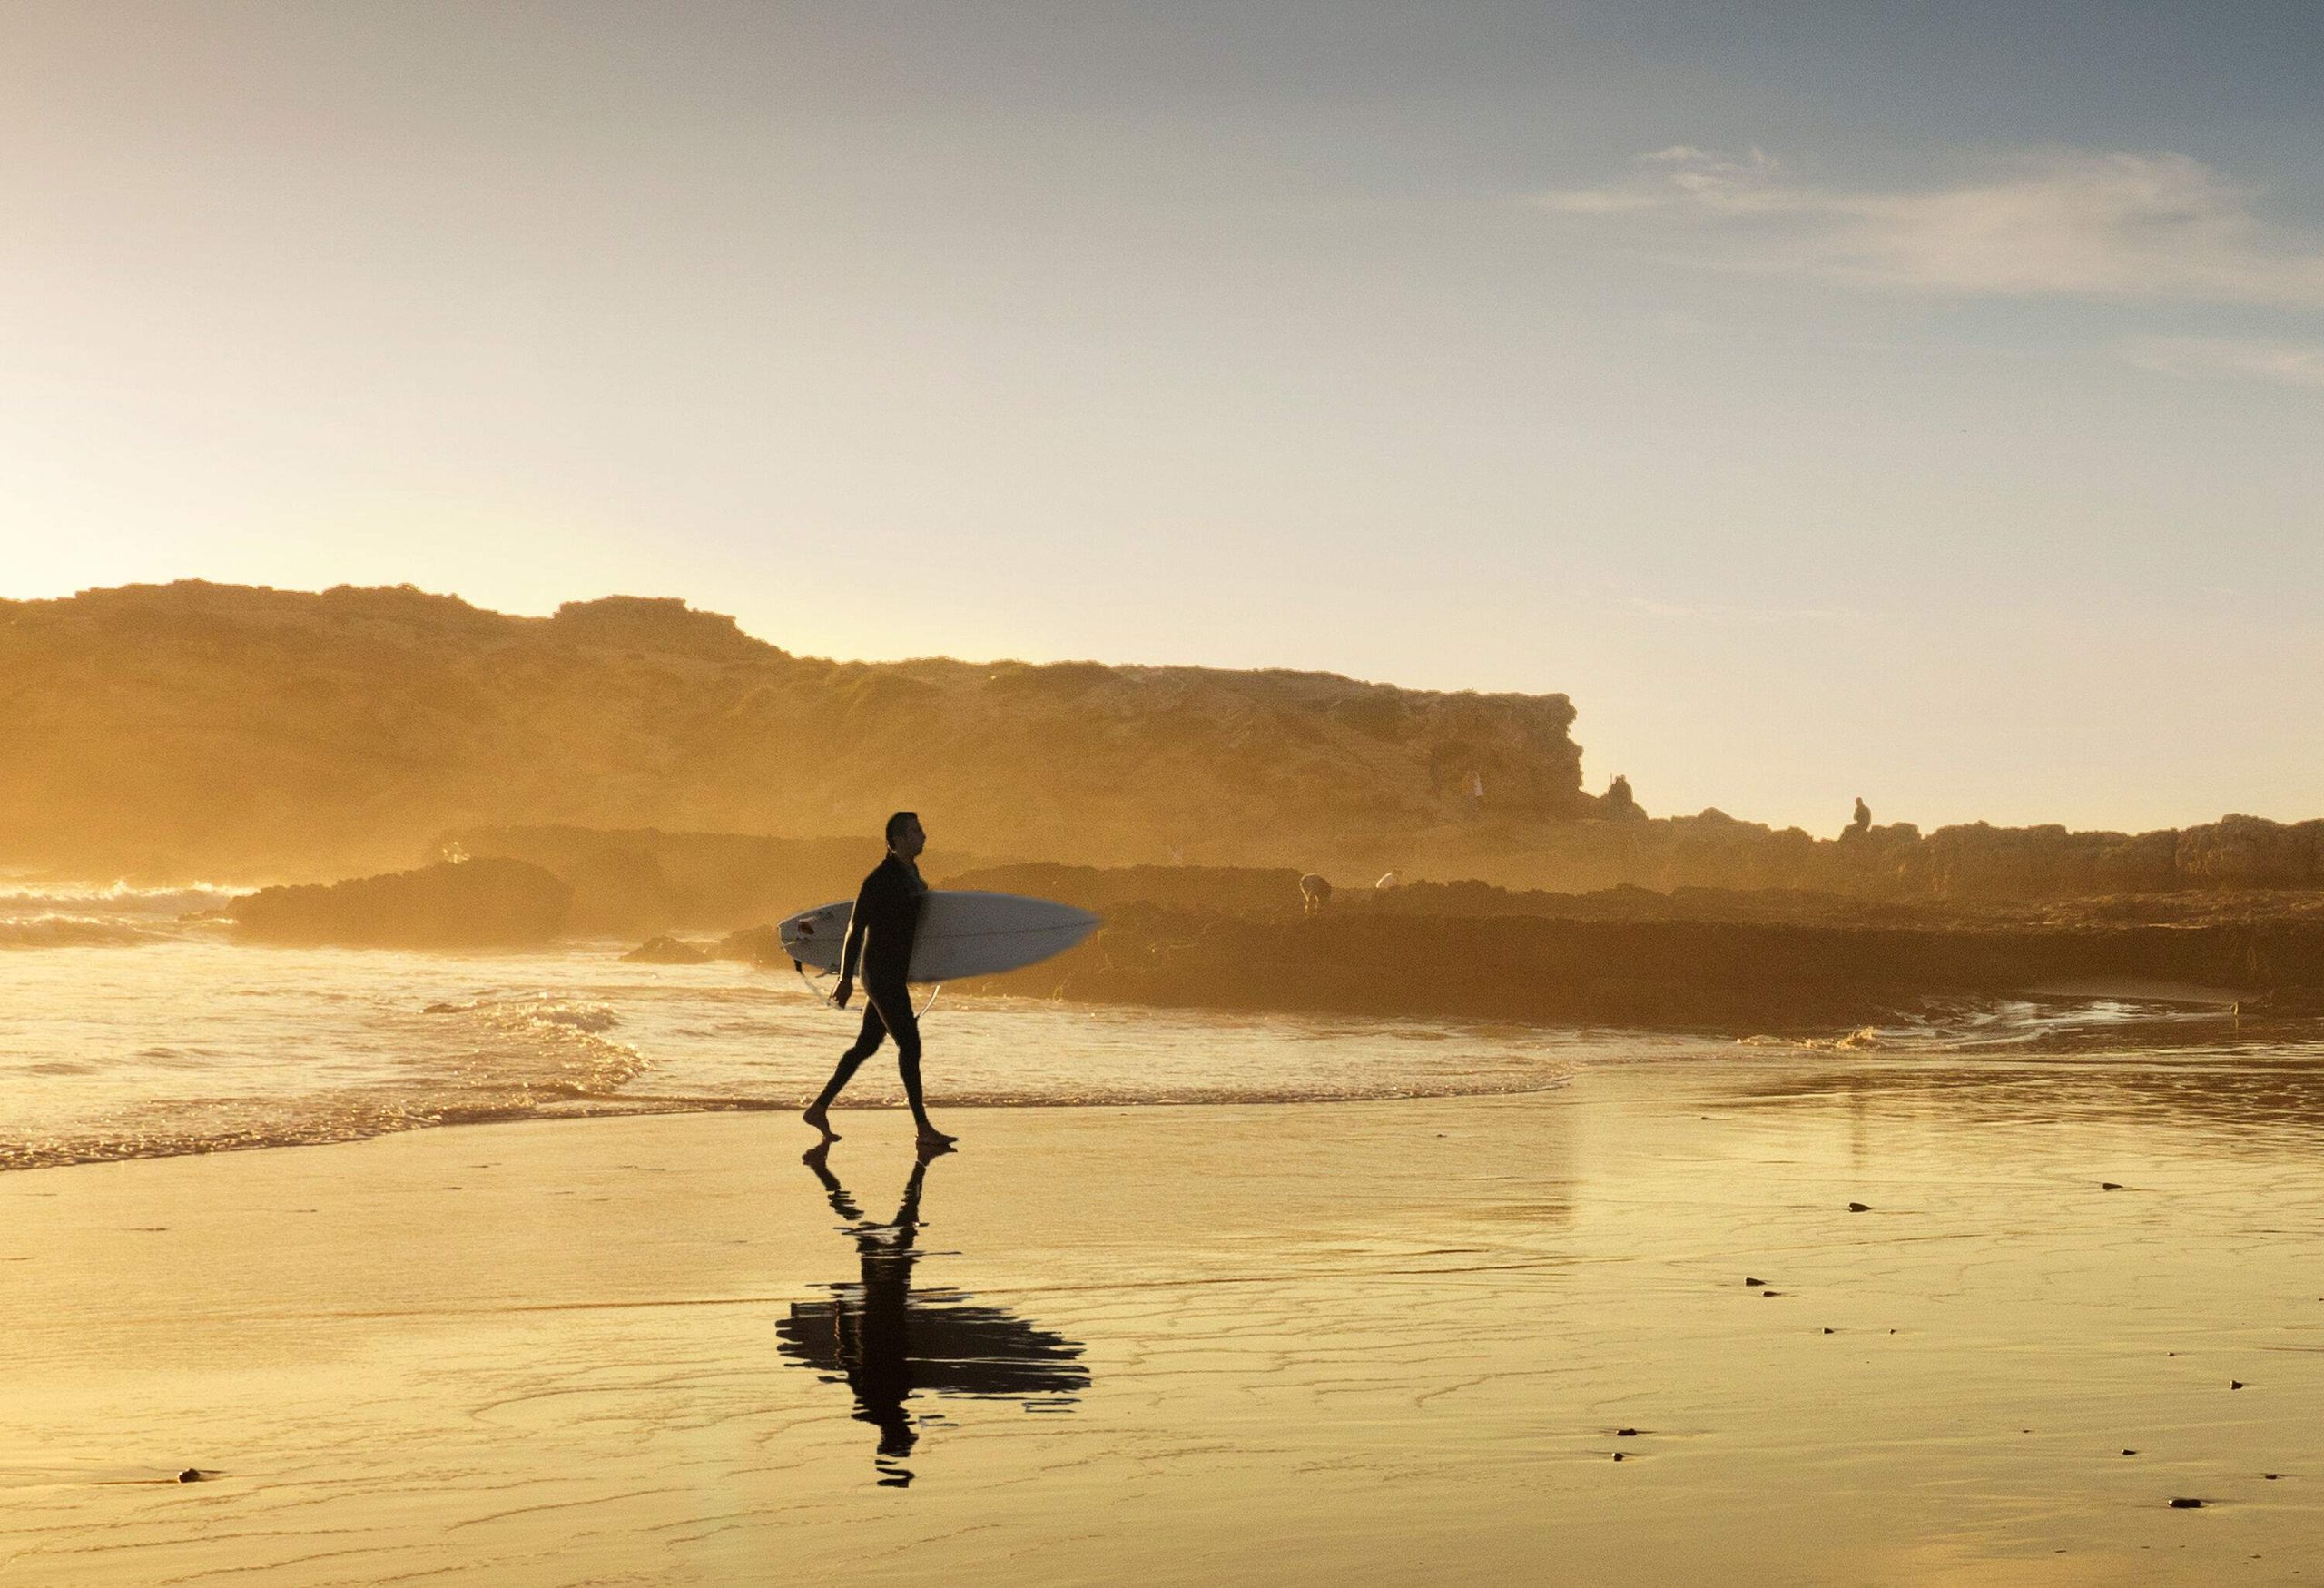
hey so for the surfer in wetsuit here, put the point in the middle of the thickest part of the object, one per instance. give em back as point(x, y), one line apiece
point(879, 939)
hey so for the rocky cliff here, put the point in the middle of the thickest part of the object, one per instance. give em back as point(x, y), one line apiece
point(251, 734)
point(248, 733)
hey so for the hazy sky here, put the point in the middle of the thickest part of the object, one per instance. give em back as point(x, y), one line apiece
point(1920, 401)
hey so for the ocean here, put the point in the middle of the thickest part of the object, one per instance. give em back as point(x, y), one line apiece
point(130, 1027)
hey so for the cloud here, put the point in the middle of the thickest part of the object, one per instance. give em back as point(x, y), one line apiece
point(2152, 227)
point(2285, 363)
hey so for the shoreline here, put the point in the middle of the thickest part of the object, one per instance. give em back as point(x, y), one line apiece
point(705, 1107)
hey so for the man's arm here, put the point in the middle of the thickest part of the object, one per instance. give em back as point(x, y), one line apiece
point(859, 923)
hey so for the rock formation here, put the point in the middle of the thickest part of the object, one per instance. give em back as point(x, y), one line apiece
point(482, 903)
point(665, 950)
point(634, 748)
point(207, 729)
point(1731, 976)
point(1618, 803)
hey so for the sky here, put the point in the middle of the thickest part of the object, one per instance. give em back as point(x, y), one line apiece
point(1917, 401)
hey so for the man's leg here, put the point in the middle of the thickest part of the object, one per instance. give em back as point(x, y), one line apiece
point(867, 1042)
point(896, 1010)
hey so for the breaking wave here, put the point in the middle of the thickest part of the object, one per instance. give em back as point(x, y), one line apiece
point(116, 898)
point(488, 1060)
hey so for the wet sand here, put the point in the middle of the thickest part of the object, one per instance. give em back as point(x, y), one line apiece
point(1356, 1342)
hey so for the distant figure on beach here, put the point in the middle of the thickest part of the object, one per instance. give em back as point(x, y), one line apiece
point(1314, 893)
point(1861, 823)
point(880, 935)
point(1476, 794)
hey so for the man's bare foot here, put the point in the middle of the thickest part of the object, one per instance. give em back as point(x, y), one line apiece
point(933, 1142)
point(820, 1119)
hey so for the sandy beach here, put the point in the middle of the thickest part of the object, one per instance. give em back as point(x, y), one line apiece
point(1323, 1343)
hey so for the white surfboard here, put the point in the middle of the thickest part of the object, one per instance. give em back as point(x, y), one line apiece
point(961, 934)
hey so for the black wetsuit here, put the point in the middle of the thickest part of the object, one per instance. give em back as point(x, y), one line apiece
point(879, 940)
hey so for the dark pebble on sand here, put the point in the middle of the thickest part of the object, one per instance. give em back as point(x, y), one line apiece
point(2235, 1383)
point(2272, 1476)
point(2108, 1186)
point(2184, 1504)
point(1827, 1331)
point(191, 1474)
point(1771, 1293)
point(2127, 1451)
point(1625, 1433)
point(1859, 1206)
point(1754, 1283)
point(1618, 1455)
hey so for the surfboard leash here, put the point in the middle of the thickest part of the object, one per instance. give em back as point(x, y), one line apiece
point(809, 983)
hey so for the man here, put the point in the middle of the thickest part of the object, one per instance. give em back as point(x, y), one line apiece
point(879, 939)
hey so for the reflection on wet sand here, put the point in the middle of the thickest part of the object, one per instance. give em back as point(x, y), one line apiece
point(887, 1341)
point(2253, 1082)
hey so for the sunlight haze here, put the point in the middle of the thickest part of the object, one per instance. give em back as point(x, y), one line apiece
point(1928, 412)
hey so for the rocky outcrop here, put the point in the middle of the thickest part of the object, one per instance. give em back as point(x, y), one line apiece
point(482, 903)
point(665, 950)
point(1730, 976)
point(643, 881)
point(198, 728)
point(2245, 852)
point(1973, 863)
point(753, 945)
point(1243, 890)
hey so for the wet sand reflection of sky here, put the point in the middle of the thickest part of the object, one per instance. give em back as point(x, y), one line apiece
point(888, 1342)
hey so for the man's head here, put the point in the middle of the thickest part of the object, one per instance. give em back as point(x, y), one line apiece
point(904, 835)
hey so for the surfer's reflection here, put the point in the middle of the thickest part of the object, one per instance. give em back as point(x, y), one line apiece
point(888, 1341)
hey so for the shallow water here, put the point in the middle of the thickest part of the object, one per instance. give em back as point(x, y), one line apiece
point(132, 1031)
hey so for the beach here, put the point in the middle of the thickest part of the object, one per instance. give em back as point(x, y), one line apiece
point(1320, 1342)
point(1580, 741)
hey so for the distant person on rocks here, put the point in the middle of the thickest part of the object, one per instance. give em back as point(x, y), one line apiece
point(1861, 823)
point(1476, 794)
point(1314, 893)
point(880, 935)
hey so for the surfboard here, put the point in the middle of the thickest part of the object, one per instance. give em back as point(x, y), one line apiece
point(961, 933)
